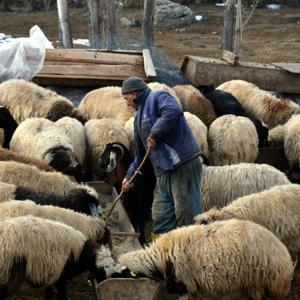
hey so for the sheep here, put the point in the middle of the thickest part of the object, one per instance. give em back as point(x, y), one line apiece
point(199, 131)
point(7, 124)
point(277, 209)
point(100, 133)
point(27, 100)
point(232, 140)
point(6, 154)
point(227, 258)
point(76, 133)
point(225, 104)
point(157, 86)
point(38, 253)
point(129, 128)
point(48, 187)
point(106, 102)
point(42, 139)
point(2, 137)
point(292, 146)
point(261, 104)
point(276, 136)
point(194, 102)
point(221, 185)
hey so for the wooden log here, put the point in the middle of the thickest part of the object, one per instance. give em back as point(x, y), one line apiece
point(208, 71)
point(95, 57)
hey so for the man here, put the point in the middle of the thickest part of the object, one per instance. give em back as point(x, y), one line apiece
point(160, 125)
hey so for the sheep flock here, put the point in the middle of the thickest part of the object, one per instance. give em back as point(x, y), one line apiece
point(245, 244)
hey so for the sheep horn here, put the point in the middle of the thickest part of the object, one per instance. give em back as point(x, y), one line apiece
point(94, 209)
point(112, 163)
point(119, 147)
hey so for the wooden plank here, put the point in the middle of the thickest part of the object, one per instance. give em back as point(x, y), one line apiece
point(95, 57)
point(290, 67)
point(92, 70)
point(207, 71)
point(148, 64)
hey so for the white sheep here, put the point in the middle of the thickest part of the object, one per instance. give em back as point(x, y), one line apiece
point(194, 102)
point(231, 140)
point(225, 258)
point(42, 139)
point(199, 131)
point(259, 103)
point(27, 100)
point(129, 128)
point(99, 134)
point(220, 185)
point(37, 253)
point(106, 102)
point(277, 209)
point(276, 136)
point(76, 133)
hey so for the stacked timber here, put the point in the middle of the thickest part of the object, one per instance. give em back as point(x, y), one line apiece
point(89, 67)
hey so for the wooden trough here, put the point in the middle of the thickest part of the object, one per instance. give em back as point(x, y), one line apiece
point(91, 67)
point(123, 288)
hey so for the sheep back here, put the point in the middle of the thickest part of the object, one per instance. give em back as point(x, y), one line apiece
point(232, 140)
point(221, 185)
point(193, 101)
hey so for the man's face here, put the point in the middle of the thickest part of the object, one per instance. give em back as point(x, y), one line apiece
point(129, 98)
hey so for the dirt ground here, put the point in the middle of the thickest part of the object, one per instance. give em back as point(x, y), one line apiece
point(269, 36)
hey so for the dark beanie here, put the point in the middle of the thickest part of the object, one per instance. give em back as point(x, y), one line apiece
point(132, 84)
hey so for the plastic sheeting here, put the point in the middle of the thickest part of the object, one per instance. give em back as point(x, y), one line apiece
point(23, 58)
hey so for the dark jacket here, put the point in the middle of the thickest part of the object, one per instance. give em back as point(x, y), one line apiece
point(160, 117)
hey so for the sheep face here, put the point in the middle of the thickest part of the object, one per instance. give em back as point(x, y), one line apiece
point(106, 267)
point(64, 160)
point(112, 153)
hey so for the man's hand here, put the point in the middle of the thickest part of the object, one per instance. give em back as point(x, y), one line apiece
point(151, 142)
point(126, 185)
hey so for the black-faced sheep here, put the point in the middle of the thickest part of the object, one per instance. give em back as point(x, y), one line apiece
point(38, 253)
point(8, 125)
point(106, 102)
point(221, 185)
point(48, 187)
point(225, 258)
point(100, 133)
point(232, 140)
point(277, 209)
point(42, 139)
point(194, 102)
point(27, 100)
point(259, 103)
point(226, 104)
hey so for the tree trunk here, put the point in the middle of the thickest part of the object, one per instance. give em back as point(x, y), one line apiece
point(229, 24)
point(111, 24)
point(148, 22)
point(4, 5)
point(94, 33)
point(64, 25)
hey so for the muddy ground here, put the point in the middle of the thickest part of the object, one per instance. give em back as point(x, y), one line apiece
point(269, 36)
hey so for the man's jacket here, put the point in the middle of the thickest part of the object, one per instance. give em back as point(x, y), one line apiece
point(160, 117)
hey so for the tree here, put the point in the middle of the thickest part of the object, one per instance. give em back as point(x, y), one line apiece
point(111, 24)
point(229, 25)
point(148, 22)
point(64, 25)
point(4, 5)
point(94, 33)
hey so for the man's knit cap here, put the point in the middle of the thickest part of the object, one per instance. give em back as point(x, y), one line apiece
point(132, 84)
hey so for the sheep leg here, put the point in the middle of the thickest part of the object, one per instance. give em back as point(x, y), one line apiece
point(61, 287)
point(49, 293)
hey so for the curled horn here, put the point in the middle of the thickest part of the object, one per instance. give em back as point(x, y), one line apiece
point(112, 162)
point(119, 147)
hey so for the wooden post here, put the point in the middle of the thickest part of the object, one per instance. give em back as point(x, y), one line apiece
point(94, 33)
point(111, 24)
point(229, 24)
point(148, 22)
point(64, 25)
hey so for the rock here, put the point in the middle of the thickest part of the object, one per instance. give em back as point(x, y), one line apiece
point(130, 23)
point(172, 15)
